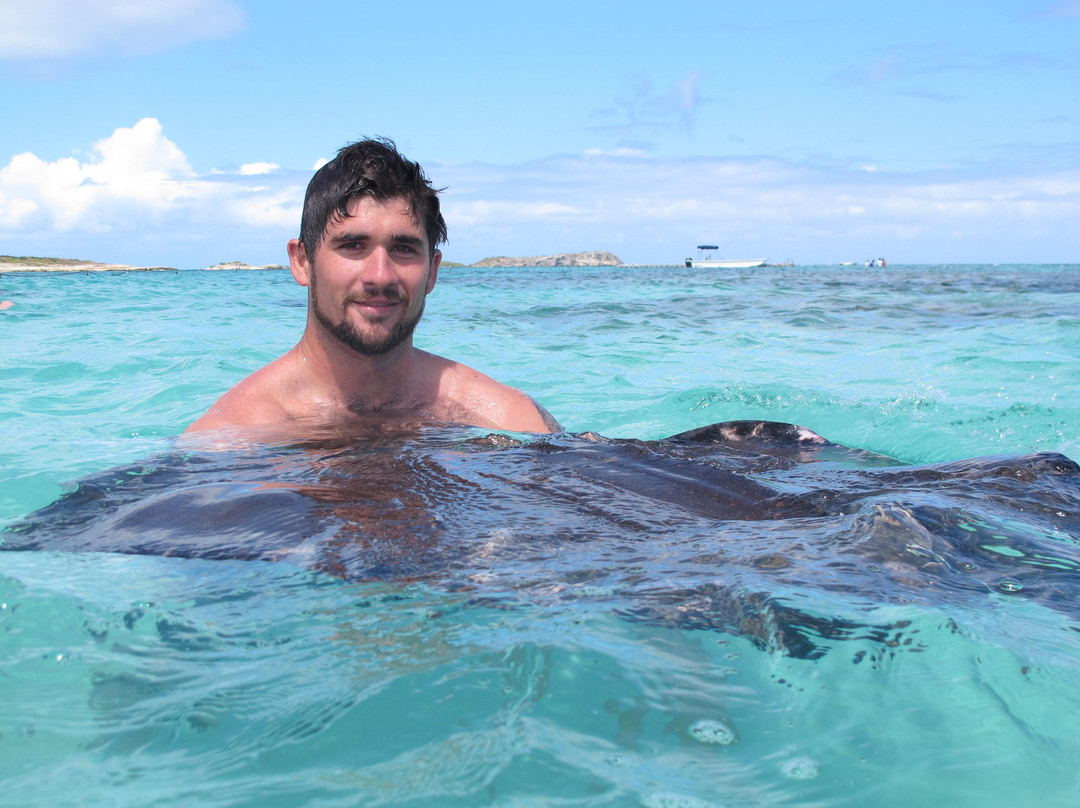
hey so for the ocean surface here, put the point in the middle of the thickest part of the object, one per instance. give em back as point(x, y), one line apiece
point(641, 611)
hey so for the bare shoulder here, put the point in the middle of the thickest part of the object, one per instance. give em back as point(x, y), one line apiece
point(255, 400)
point(482, 401)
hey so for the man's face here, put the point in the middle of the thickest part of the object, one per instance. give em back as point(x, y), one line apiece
point(370, 276)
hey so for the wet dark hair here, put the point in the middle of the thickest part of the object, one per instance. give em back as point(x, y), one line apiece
point(368, 168)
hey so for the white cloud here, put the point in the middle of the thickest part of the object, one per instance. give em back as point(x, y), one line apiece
point(484, 212)
point(623, 151)
point(138, 168)
point(49, 29)
point(250, 169)
point(136, 180)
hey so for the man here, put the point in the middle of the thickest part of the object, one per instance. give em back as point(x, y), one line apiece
point(368, 255)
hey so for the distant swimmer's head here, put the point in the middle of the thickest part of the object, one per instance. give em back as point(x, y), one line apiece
point(369, 168)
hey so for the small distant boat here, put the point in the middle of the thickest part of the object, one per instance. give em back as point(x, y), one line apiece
point(708, 262)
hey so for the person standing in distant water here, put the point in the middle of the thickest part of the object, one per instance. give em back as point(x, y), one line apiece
point(368, 255)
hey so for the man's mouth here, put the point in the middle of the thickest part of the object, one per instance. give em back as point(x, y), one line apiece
point(377, 302)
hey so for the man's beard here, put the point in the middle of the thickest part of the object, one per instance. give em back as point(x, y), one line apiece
point(345, 333)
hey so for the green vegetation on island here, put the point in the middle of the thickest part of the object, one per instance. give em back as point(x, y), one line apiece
point(28, 260)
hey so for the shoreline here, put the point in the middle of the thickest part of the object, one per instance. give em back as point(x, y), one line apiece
point(87, 267)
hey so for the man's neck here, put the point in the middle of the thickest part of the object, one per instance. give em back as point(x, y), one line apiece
point(358, 382)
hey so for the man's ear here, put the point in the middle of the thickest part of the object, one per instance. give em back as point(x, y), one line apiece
point(433, 271)
point(299, 264)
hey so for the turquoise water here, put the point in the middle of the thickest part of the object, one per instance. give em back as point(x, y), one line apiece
point(142, 679)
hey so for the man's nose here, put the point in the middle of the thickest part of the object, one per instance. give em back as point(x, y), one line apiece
point(379, 268)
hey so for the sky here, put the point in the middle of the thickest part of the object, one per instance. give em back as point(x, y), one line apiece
point(183, 132)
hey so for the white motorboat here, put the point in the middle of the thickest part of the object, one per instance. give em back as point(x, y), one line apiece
point(708, 262)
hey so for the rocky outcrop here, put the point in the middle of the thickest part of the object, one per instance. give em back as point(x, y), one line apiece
point(581, 259)
point(242, 265)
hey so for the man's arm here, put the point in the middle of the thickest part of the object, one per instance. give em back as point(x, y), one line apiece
point(549, 419)
point(481, 401)
point(226, 411)
point(253, 401)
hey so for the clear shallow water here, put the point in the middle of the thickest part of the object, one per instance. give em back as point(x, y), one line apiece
point(566, 639)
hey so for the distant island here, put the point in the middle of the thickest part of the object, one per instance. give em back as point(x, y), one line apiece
point(241, 265)
point(581, 259)
point(27, 263)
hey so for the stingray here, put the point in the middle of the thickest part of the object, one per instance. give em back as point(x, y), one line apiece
point(731, 526)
